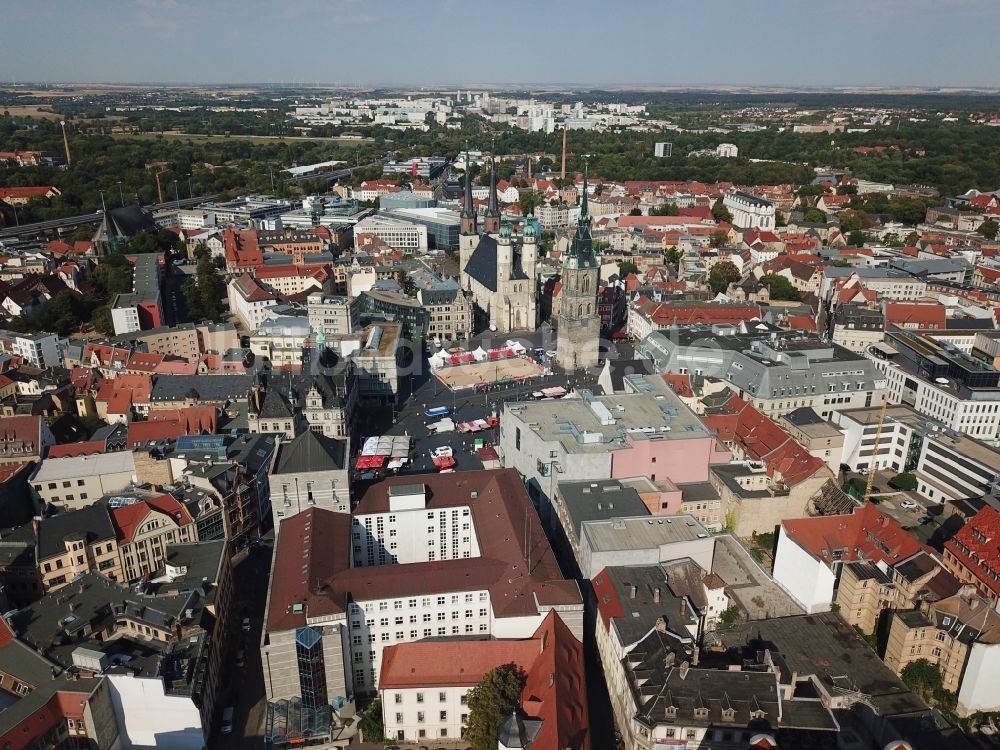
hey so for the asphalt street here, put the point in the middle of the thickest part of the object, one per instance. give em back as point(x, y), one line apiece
point(243, 689)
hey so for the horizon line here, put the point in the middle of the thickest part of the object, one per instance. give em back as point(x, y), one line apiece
point(509, 86)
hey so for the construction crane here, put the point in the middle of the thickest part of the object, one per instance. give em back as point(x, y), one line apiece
point(159, 188)
point(874, 464)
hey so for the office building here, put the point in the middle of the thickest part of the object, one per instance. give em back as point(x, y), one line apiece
point(960, 389)
point(426, 556)
point(663, 150)
point(401, 234)
point(776, 372)
point(442, 224)
point(142, 308)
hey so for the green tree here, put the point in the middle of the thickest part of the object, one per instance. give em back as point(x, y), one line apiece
point(904, 481)
point(101, 320)
point(530, 199)
point(989, 228)
point(720, 212)
point(635, 212)
point(923, 678)
point(814, 216)
point(718, 238)
point(730, 617)
point(722, 275)
point(491, 702)
point(857, 238)
point(780, 287)
point(371, 724)
point(853, 221)
point(665, 209)
point(912, 239)
point(625, 268)
point(672, 257)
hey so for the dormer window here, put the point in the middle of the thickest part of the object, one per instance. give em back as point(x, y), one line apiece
point(671, 712)
point(701, 713)
point(728, 714)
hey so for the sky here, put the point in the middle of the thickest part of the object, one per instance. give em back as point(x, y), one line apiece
point(794, 43)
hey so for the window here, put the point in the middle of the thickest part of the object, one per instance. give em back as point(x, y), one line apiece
point(420, 697)
point(420, 716)
point(398, 698)
point(444, 716)
point(442, 697)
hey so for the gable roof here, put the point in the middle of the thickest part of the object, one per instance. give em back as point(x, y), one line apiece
point(762, 439)
point(311, 451)
point(866, 534)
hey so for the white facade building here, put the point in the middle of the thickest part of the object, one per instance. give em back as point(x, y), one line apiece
point(148, 717)
point(749, 211)
point(807, 580)
point(42, 350)
point(249, 302)
point(402, 235)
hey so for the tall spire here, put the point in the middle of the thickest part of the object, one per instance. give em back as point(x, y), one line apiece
point(468, 210)
point(493, 208)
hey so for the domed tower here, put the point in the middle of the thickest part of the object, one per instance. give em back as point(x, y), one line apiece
point(505, 251)
point(529, 246)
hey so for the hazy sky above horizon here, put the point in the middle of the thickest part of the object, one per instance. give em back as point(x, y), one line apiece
point(453, 42)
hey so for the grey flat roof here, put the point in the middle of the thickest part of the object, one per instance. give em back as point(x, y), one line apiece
point(642, 532)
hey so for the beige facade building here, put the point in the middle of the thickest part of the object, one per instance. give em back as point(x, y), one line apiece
point(145, 528)
point(75, 542)
point(75, 482)
point(946, 633)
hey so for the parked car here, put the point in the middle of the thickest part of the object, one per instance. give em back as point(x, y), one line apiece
point(908, 505)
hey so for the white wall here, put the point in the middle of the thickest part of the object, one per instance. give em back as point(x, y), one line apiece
point(148, 718)
point(805, 578)
point(431, 706)
point(980, 688)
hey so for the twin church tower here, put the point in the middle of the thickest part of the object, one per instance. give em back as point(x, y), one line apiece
point(500, 272)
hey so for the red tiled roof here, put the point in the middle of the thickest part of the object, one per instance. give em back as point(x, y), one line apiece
point(39, 191)
point(865, 534)
point(915, 314)
point(680, 384)
point(976, 547)
point(251, 290)
point(762, 439)
point(128, 518)
point(802, 322)
point(85, 448)
point(689, 313)
point(608, 603)
point(498, 512)
point(420, 664)
point(991, 275)
point(23, 428)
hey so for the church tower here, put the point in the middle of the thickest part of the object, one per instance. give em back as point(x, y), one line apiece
point(578, 323)
point(468, 226)
point(491, 220)
point(529, 247)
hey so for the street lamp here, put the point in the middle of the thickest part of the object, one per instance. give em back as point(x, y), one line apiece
point(190, 189)
point(177, 197)
point(104, 208)
point(121, 194)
